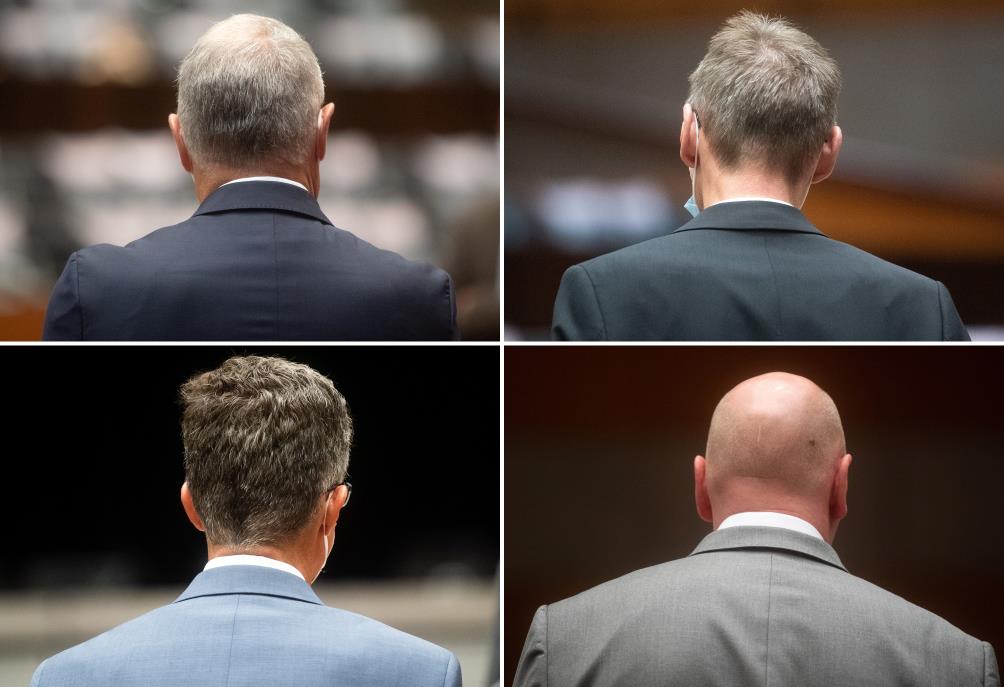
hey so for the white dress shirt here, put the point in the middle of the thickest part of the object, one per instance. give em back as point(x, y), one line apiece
point(770, 519)
point(743, 198)
point(246, 559)
point(279, 179)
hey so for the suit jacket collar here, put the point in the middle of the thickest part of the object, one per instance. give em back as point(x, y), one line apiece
point(249, 579)
point(262, 195)
point(752, 214)
point(733, 538)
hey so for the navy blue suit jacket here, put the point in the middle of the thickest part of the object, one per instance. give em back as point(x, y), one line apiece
point(748, 271)
point(257, 261)
point(245, 626)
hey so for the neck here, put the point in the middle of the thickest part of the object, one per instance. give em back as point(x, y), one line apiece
point(716, 185)
point(209, 178)
point(290, 555)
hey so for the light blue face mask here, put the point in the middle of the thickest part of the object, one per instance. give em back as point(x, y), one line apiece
point(691, 204)
point(691, 207)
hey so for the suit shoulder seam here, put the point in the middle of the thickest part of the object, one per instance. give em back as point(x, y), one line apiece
point(938, 288)
point(451, 316)
point(547, 669)
point(987, 650)
point(446, 671)
point(596, 300)
point(76, 288)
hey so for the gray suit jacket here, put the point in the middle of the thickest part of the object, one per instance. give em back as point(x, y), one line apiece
point(750, 606)
point(244, 626)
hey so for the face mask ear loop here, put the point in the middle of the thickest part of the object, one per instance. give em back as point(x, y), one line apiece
point(324, 535)
point(691, 204)
point(697, 145)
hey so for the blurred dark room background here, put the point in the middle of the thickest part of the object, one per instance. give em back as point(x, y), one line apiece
point(593, 98)
point(599, 448)
point(86, 156)
point(95, 529)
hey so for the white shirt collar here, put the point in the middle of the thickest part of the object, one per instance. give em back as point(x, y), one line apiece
point(744, 198)
point(246, 559)
point(279, 179)
point(770, 519)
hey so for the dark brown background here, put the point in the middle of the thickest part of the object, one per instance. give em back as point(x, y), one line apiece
point(599, 444)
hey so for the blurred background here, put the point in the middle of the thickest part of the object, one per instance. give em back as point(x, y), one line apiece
point(95, 532)
point(86, 156)
point(593, 98)
point(599, 448)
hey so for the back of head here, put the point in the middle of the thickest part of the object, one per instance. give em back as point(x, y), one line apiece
point(765, 94)
point(264, 439)
point(779, 430)
point(249, 92)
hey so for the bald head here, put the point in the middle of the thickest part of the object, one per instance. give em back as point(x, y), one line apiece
point(779, 429)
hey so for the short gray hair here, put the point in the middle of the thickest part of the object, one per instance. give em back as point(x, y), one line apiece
point(264, 439)
point(249, 92)
point(765, 92)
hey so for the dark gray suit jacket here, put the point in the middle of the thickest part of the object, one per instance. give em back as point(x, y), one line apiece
point(750, 271)
point(750, 606)
point(258, 260)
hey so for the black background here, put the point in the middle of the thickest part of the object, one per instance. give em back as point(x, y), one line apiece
point(94, 462)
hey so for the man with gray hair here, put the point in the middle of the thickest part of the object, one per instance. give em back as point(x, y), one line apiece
point(258, 260)
point(764, 599)
point(266, 476)
point(759, 128)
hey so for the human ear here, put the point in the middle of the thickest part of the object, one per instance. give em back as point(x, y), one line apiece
point(838, 491)
point(688, 136)
point(323, 124)
point(189, 505)
point(701, 498)
point(333, 508)
point(179, 141)
point(828, 156)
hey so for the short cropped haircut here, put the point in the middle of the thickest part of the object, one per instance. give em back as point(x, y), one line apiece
point(766, 93)
point(264, 439)
point(249, 91)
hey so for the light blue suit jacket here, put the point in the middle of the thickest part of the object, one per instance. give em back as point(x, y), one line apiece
point(248, 625)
